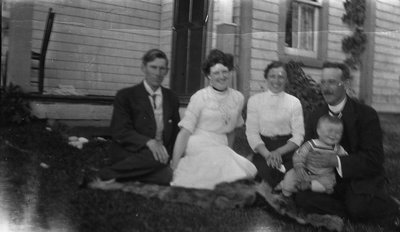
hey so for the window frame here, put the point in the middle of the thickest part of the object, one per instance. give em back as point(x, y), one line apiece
point(188, 47)
point(308, 58)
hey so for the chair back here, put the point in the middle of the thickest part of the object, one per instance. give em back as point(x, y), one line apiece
point(47, 33)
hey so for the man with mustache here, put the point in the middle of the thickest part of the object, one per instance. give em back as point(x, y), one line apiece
point(360, 191)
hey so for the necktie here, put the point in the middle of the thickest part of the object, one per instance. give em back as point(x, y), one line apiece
point(154, 96)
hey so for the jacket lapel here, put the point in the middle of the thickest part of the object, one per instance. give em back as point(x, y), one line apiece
point(145, 101)
point(349, 119)
point(167, 109)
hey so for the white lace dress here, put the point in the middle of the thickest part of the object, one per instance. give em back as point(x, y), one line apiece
point(208, 160)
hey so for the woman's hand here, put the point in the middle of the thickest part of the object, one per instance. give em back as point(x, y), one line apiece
point(174, 164)
point(275, 159)
point(179, 147)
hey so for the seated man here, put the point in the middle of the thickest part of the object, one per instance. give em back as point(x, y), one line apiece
point(144, 127)
point(360, 190)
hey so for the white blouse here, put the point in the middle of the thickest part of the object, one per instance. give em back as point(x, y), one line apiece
point(271, 114)
point(213, 111)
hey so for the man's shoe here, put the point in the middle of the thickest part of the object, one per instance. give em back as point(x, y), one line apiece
point(97, 183)
point(330, 222)
point(391, 224)
point(85, 179)
point(91, 180)
point(394, 224)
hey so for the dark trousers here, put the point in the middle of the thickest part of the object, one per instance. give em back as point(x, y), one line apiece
point(140, 166)
point(271, 175)
point(345, 202)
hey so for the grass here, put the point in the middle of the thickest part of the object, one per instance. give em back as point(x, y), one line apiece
point(61, 203)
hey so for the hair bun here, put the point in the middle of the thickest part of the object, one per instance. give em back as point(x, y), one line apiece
point(217, 57)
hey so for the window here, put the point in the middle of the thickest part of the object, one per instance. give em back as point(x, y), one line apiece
point(302, 28)
point(304, 23)
point(188, 45)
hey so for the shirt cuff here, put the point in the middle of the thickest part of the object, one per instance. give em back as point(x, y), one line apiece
point(296, 140)
point(339, 167)
point(254, 148)
point(187, 125)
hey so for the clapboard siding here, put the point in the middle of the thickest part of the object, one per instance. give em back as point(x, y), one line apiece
point(263, 54)
point(267, 6)
point(96, 17)
point(166, 31)
point(261, 25)
point(97, 45)
point(336, 31)
point(265, 16)
point(386, 85)
point(264, 41)
point(265, 38)
point(270, 36)
point(93, 59)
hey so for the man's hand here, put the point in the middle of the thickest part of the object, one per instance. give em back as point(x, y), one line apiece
point(322, 160)
point(159, 152)
point(301, 172)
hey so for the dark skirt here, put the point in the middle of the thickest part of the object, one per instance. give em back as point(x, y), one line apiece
point(271, 175)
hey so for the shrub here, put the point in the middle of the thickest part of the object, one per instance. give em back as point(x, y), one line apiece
point(304, 88)
point(13, 107)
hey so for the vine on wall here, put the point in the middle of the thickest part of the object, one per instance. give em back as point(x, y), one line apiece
point(354, 45)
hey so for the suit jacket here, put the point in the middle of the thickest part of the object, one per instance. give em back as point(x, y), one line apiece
point(362, 139)
point(133, 122)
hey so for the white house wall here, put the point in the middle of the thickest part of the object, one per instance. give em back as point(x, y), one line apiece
point(264, 47)
point(166, 29)
point(96, 46)
point(265, 39)
point(386, 83)
point(337, 30)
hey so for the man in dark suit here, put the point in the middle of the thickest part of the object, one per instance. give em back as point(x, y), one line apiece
point(144, 127)
point(360, 190)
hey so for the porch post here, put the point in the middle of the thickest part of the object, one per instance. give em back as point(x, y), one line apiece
point(20, 39)
point(367, 58)
point(245, 35)
point(226, 30)
point(226, 42)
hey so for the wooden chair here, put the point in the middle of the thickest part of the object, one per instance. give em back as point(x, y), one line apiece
point(41, 57)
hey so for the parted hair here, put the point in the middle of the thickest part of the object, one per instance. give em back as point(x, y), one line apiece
point(345, 69)
point(274, 64)
point(217, 57)
point(153, 54)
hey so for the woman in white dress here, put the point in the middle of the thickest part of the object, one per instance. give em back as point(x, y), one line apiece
point(202, 156)
point(274, 126)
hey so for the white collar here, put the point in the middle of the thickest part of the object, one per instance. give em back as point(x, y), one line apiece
point(269, 92)
point(214, 91)
point(319, 143)
point(150, 90)
point(339, 107)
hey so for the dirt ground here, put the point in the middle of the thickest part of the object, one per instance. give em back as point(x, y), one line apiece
point(40, 174)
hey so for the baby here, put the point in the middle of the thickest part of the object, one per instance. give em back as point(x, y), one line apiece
point(303, 175)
